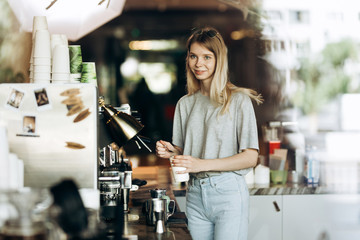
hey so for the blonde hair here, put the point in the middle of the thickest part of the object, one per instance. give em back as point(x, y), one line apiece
point(221, 88)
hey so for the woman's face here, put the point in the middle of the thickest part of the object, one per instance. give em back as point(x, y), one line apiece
point(202, 62)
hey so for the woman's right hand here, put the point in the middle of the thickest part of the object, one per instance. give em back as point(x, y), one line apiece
point(165, 149)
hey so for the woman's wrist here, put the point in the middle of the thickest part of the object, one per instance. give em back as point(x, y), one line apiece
point(205, 165)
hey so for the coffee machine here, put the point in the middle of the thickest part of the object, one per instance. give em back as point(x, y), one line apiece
point(115, 179)
point(116, 127)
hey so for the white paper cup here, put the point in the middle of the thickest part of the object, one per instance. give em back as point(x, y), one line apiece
point(42, 76)
point(64, 39)
point(42, 61)
point(39, 23)
point(41, 81)
point(59, 81)
point(183, 177)
point(42, 47)
point(55, 40)
point(42, 68)
point(60, 60)
point(61, 77)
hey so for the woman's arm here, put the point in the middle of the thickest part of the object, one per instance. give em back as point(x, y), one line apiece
point(165, 149)
point(245, 159)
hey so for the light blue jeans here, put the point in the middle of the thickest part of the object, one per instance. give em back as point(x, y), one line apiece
point(218, 207)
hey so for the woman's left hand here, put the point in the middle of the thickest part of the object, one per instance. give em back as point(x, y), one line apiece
point(192, 164)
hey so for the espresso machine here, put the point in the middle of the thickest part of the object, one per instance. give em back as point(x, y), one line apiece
point(116, 127)
point(115, 179)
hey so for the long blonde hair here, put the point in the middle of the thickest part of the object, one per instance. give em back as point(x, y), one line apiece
point(221, 88)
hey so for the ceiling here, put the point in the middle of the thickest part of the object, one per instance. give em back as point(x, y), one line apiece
point(159, 19)
point(164, 5)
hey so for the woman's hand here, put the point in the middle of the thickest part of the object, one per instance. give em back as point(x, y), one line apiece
point(192, 164)
point(165, 149)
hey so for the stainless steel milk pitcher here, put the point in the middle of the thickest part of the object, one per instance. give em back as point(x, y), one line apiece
point(157, 205)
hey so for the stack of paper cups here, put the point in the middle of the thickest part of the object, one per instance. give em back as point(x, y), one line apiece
point(42, 57)
point(75, 63)
point(39, 23)
point(4, 158)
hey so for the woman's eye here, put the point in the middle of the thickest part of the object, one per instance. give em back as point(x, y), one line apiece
point(207, 57)
point(192, 56)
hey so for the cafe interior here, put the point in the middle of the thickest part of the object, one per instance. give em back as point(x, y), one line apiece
point(79, 161)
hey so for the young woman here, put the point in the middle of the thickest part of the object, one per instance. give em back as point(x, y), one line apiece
point(215, 138)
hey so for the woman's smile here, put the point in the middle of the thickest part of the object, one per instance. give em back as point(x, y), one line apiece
point(199, 72)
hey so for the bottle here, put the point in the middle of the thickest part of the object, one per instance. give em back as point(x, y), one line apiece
point(312, 167)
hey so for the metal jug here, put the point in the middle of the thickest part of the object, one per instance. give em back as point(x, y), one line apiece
point(157, 205)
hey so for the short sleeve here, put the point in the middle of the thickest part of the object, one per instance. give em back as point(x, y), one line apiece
point(178, 127)
point(247, 126)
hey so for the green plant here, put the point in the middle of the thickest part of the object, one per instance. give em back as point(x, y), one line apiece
point(322, 77)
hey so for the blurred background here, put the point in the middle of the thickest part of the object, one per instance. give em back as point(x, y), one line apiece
point(302, 56)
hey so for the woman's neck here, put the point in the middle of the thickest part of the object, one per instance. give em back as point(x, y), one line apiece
point(205, 88)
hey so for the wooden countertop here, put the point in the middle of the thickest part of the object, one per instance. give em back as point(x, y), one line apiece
point(135, 221)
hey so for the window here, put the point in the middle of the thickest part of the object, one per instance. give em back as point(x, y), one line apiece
point(335, 17)
point(275, 16)
point(299, 17)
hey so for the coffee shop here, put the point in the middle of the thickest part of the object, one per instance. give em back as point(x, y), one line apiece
point(89, 88)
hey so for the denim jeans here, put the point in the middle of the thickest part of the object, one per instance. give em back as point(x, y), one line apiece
point(218, 207)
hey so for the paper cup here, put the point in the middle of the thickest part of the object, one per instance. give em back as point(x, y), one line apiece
point(60, 60)
point(41, 81)
point(75, 78)
point(42, 47)
point(88, 73)
point(64, 39)
point(42, 61)
point(61, 77)
point(184, 177)
point(39, 23)
point(42, 76)
point(55, 40)
point(180, 177)
point(42, 68)
point(75, 59)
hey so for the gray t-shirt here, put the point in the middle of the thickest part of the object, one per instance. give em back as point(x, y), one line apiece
point(201, 132)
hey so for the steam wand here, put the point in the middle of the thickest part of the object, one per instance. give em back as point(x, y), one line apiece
point(143, 143)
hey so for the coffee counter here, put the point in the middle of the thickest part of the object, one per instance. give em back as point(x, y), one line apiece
point(135, 220)
point(286, 189)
